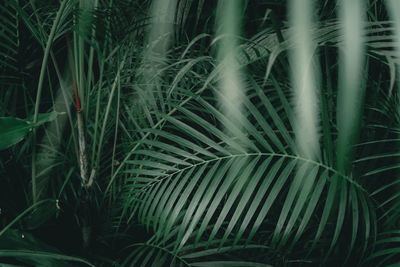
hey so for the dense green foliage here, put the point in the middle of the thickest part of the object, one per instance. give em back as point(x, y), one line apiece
point(199, 133)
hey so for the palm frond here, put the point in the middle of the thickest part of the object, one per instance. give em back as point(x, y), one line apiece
point(206, 183)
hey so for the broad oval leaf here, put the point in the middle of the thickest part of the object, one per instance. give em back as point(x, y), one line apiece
point(13, 130)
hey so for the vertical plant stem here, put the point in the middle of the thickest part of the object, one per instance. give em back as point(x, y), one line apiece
point(115, 137)
point(231, 86)
point(91, 60)
point(97, 113)
point(351, 89)
point(116, 127)
point(39, 92)
point(108, 108)
point(305, 70)
point(83, 163)
point(86, 181)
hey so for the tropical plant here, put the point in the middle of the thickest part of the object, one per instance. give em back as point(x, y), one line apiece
point(199, 133)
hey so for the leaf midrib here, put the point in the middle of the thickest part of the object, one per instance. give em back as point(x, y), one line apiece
point(269, 154)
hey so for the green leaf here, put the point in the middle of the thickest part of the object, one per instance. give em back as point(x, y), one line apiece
point(14, 130)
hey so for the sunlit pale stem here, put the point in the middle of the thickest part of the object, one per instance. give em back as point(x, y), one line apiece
point(162, 25)
point(351, 89)
point(159, 40)
point(231, 84)
point(304, 72)
point(393, 7)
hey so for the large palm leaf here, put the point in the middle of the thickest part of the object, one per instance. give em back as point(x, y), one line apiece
point(193, 181)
